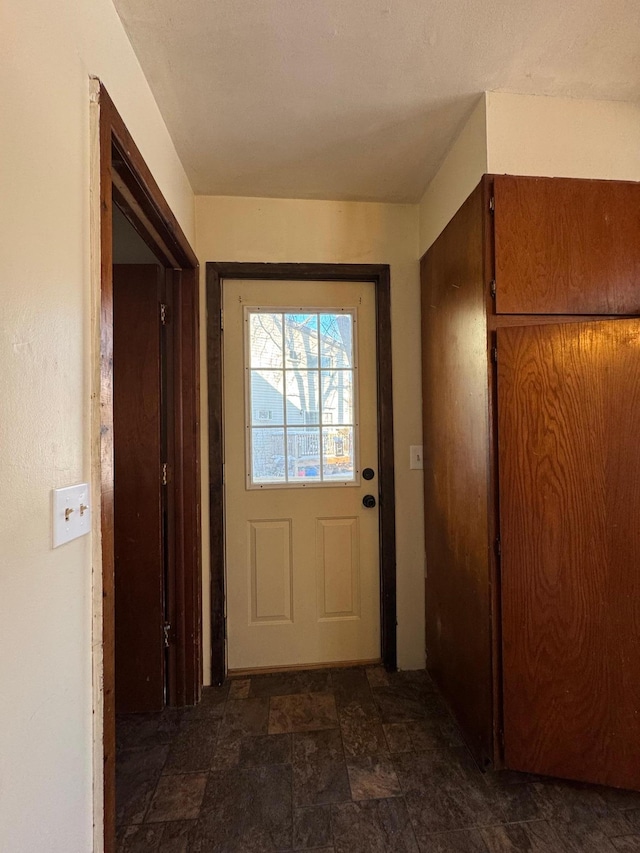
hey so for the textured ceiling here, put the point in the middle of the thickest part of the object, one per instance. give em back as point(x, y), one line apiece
point(360, 99)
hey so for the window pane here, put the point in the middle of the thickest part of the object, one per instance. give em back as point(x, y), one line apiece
point(302, 388)
point(303, 448)
point(338, 457)
point(302, 397)
point(265, 342)
point(337, 397)
point(301, 340)
point(267, 455)
point(336, 338)
point(267, 387)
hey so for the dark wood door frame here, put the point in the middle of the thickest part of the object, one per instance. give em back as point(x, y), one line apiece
point(379, 276)
point(125, 177)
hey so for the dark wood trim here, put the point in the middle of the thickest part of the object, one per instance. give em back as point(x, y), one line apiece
point(187, 485)
point(123, 170)
point(216, 458)
point(379, 276)
point(141, 224)
point(386, 468)
point(131, 167)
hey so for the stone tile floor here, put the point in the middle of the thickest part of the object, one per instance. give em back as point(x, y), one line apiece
point(341, 760)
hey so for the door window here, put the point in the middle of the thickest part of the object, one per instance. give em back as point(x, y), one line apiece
point(300, 369)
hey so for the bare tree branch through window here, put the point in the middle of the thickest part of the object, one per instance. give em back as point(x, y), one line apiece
point(301, 388)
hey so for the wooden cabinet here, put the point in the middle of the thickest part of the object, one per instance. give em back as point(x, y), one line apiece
point(566, 246)
point(532, 475)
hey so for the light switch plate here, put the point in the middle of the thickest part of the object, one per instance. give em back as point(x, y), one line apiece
point(415, 457)
point(71, 513)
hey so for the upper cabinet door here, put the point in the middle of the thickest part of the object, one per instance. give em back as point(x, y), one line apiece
point(566, 246)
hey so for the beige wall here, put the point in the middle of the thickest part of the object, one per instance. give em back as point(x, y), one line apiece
point(281, 230)
point(561, 137)
point(50, 47)
point(457, 177)
point(532, 135)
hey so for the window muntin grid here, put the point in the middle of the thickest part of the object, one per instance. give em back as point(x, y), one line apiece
point(300, 366)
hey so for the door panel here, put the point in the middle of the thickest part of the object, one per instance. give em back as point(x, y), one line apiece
point(566, 246)
point(302, 552)
point(338, 567)
point(139, 563)
point(569, 433)
point(271, 564)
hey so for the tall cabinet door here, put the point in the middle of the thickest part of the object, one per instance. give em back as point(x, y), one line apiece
point(569, 457)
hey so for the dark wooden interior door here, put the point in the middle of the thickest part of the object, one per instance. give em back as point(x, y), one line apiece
point(569, 455)
point(138, 525)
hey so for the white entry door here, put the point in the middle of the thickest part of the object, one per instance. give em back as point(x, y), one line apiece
point(300, 428)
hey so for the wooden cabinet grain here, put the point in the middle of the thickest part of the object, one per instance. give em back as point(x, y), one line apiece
point(532, 487)
point(566, 246)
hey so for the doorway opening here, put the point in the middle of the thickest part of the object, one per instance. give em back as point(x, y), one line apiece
point(149, 618)
point(378, 277)
point(143, 439)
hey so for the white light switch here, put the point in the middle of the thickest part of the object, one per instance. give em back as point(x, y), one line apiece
point(71, 513)
point(415, 457)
